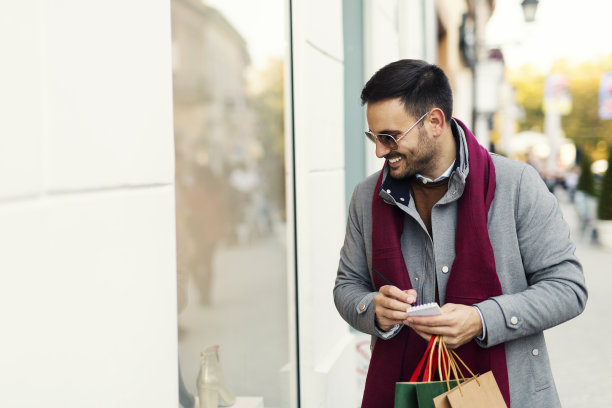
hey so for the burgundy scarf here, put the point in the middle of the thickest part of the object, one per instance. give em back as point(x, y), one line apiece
point(472, 279)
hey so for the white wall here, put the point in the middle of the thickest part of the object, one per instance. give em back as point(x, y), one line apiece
point(327, 358)
point(382, 43)
point(87, 271)
point(396, 29)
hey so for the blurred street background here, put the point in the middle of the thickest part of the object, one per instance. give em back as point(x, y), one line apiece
point(176, 174)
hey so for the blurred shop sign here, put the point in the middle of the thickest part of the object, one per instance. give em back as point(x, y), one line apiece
point(557, 98)
point(489, 76)
point(605, 96)
point(467, 40)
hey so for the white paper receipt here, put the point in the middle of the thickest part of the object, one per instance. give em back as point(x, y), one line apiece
point(428, 309)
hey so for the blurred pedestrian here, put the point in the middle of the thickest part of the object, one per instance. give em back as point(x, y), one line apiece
point(201, 226)
point(585, 201)
point(571, 182)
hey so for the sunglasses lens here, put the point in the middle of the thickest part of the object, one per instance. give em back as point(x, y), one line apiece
point(387, 141)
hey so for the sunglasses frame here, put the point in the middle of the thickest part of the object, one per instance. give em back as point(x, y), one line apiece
point(388, 140)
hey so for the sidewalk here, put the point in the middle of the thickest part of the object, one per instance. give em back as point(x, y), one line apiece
point(580, 356)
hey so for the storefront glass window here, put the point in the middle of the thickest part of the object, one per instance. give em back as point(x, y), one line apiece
point(228, 63)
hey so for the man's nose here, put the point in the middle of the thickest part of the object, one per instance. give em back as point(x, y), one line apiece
point(381, 150)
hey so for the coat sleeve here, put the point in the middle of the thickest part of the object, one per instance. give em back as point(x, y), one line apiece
point(353, 291)
point(556, 290)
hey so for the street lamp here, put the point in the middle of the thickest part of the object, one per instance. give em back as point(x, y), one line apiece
point(529, 9)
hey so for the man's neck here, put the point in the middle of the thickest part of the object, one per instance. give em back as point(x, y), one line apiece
point(448, 155)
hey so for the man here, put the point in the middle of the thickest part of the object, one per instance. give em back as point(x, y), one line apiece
point(445, 221)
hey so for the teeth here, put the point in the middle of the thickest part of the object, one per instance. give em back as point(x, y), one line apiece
point(394, 160)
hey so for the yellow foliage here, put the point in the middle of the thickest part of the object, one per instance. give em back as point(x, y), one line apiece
point(582, 124)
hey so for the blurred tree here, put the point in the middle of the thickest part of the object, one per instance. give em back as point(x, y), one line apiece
point(604, 210)
point(583, 125)
point(529, 85)
point(590, 134)
point(267, 100)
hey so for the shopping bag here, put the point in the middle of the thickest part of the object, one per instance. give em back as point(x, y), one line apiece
point(481, 392)
point(476, 392)
point(420, 394)
point(441, 400)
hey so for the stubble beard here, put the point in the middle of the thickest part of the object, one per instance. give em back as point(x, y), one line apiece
point(421, 160)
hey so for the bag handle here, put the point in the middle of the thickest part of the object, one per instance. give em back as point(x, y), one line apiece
point(444, 360)
point(447, 360)
point(452, 360)
point(430, 367)
point(452, 365)
point(430, 349)
point(431, 360)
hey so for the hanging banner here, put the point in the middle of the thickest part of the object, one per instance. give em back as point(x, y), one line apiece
point(557, 98)
point(605, 96)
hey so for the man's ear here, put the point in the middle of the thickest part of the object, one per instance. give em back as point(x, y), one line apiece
point(436, 121)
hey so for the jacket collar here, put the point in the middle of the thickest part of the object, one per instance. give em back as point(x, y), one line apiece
point(463, 167)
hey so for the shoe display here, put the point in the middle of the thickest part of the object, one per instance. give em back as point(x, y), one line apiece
point(211, 386)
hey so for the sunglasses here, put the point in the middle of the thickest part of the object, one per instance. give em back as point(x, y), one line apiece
point(390, 141)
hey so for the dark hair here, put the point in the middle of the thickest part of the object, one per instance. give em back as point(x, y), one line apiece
point(420, 85)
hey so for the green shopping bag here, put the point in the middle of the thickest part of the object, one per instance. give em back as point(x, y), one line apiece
point(420, 394)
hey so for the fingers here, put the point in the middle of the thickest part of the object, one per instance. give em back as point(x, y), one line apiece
point(411, 296)
point(391, 304)
point(458, 324)
point(452, 338)
point(448, 331)
point(395, 315)
point(406, 296)
point(449, 317)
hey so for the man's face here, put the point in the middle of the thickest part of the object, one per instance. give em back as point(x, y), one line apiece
point(417, 151)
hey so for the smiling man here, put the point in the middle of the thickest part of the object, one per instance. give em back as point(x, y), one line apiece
point(446, 221)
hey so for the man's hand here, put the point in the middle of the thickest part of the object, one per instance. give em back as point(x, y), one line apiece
point(391, 304)
point(458, 324)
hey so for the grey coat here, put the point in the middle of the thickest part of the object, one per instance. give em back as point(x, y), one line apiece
point(541, 279)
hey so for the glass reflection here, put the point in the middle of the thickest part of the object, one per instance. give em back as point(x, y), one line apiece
point(230, 203)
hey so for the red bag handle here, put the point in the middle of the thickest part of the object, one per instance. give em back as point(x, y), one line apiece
point(429, 362)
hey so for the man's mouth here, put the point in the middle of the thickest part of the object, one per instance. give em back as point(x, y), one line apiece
point(393, 160)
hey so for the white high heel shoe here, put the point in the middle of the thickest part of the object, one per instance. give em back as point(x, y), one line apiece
point(212, 388)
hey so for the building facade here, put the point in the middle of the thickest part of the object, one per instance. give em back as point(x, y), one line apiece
point(185, 184)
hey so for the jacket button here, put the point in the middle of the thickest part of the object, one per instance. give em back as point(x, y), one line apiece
point(362, 307)
point(445, 269)
point(514, 320)
point(535, 352)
